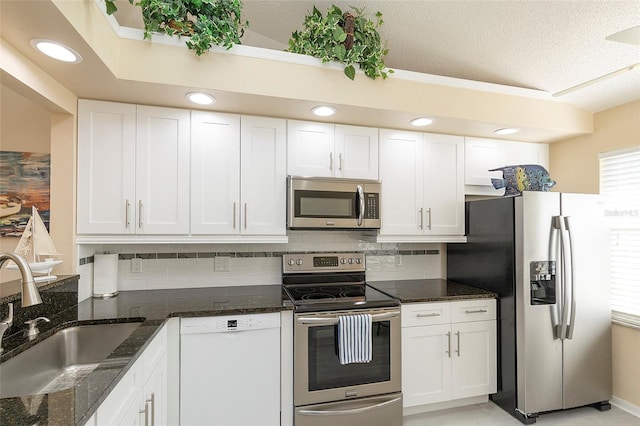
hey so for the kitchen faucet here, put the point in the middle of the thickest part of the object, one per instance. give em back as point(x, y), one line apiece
point(30, 294)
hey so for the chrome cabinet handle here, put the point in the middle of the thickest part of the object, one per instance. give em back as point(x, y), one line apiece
point(234, 215)
point(127, 206)
point(434, 314)
point(340, 161)
point(449, 343)
point(140, 206)
point(420, 212)
point(245, 215)
point(146, 413)
point(458, 350)
point(478, 311)
point(331, 161)
point(152, 401)
point(429, 213)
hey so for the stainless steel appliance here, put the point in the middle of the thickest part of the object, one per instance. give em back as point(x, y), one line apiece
point(329, 203)
point(546, 255)
point(323, 287)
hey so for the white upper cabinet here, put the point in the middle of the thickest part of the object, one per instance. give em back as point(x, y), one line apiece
point(133, 169)
point(482, 155)
point(162, 170)
point(215, 173)
point(238, 175)
point(106, 167)
point(356, 152)
point(328, 150)
point(422, 186)
point(263, 176)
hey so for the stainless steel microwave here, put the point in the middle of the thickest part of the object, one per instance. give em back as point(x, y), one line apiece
point(331, 203)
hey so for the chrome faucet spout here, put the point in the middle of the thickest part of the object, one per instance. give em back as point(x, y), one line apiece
point(30, 294)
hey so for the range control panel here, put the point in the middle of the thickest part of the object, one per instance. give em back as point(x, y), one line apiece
point(323, 262)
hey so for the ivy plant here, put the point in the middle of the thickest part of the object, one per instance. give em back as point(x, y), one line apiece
point(324, 37)
point(207, 22)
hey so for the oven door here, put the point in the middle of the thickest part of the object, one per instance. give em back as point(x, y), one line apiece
point(319, 376)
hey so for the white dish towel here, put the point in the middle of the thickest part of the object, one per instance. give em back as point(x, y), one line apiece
point(354, 338)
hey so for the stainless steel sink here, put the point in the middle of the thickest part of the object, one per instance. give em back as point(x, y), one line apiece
point(62, 360)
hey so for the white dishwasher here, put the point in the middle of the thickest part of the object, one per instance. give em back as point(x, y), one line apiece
point(230, 370)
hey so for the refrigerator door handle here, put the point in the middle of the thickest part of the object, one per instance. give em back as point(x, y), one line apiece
point(553, 256)
point(571, 323)
point(564, 252)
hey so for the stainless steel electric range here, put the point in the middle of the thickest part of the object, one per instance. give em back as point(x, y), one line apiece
point(323, 287)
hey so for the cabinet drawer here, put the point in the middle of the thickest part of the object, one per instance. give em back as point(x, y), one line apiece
point(473, 310)
point(416, 314)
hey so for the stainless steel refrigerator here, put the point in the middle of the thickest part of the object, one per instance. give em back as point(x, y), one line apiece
point(546, 255)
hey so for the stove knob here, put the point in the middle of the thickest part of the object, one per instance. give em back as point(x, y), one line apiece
point(358, 261)
point(291, 262)
point(299, 262)
point(343, 260)
point(350, 261)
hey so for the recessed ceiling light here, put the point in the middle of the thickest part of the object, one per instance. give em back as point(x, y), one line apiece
point(421, 122)
point(56, 50)
point(323, 111)
point(201, 98)
point(506, 131)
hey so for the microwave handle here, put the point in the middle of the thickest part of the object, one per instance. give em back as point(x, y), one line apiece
point(361, 204)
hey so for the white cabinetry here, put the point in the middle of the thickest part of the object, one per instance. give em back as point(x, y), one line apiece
point(422, 186)
point(328, 150)
point(141, 395)
point(238, 179)
point(133, 169)
point(482, 155)
point(448, 351)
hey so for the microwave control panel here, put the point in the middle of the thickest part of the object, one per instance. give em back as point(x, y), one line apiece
point(372, 206)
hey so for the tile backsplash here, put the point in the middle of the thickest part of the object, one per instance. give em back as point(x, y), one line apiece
point(170, 266)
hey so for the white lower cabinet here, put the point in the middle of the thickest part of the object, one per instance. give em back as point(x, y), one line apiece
point(140, 398)
point(449, 351)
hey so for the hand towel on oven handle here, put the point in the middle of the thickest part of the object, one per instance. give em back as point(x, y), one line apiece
point(354, 338)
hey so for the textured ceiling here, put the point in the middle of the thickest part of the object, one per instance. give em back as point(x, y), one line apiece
point(544, 45)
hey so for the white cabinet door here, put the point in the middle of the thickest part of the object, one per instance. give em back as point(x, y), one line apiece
point(215, 173)
point(426, 364)
point(162, 170)
point(263, 176)
point(443, 185)
point(474, 359)
point(106, 167)
point(356, 152)
point(310, 148)
point(401, 173)
point(482, 155)
point(122, 405)
point(155, 395)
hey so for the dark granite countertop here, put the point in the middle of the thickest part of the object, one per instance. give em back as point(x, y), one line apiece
point(430, 290)
point(153, 307)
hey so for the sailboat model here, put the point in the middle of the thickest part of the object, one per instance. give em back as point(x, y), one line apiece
point(37, 248)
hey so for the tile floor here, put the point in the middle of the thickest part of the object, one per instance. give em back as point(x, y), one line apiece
point(489, 414)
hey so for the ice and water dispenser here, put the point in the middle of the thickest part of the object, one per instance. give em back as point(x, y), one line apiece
point(543, 282)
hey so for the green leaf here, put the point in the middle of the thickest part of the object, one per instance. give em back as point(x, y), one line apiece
point(350, 72)
point(339, 35)
point(339, 51)
point(111, 8)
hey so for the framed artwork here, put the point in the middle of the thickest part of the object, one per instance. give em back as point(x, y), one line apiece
point(24, 182)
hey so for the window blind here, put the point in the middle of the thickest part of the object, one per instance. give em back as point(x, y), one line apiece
point(620, 182)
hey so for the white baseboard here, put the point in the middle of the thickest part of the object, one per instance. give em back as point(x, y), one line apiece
point(626, 406)
point(410, 411)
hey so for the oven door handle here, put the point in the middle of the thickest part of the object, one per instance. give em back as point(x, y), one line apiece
point(332, 320)
point(347, 412)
